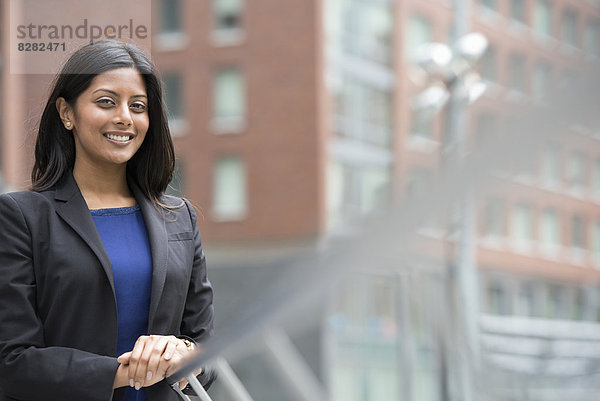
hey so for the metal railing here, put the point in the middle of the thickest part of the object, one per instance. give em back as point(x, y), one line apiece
point(282, 354)
point(227, 376)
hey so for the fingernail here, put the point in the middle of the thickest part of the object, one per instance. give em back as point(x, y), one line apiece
point(130, 382)
point(148, 375)
point(138, 386)
point(167, 356)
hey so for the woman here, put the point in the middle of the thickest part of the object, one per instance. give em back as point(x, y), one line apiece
point(103, 287)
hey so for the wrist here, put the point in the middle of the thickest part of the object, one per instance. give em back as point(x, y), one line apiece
point(121, 378)
point(189, 345)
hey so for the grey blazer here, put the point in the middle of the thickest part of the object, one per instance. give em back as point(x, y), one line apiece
point(58, 314)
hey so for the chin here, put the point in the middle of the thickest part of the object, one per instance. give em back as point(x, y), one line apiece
point(119, 160)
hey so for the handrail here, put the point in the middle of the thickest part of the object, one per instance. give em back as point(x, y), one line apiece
point(198, 389)
point(226, 375)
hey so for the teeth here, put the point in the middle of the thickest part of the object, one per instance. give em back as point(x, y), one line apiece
point(118, 137)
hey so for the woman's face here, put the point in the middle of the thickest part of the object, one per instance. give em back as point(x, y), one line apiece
point(109, 119)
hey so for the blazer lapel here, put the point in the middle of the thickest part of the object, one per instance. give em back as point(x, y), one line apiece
point(74, 211)
point(71, 207)
point(157, 235)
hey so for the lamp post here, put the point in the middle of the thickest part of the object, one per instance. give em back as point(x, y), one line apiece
point(451, 70)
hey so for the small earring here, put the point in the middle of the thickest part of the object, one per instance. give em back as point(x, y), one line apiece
point(68, 124)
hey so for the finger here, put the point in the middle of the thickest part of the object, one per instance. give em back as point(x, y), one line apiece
point(156, 354)
point(170, 366)
point(170, 349)
point(124, 358)
point(182, 354)
point(163, 367)
point(134, 360)
point(152, 346)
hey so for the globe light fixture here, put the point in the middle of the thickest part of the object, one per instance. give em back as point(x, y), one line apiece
point(471, 47)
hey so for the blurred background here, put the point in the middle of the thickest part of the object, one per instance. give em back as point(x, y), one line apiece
point(444, 186)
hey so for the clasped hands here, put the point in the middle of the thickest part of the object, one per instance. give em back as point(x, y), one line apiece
point(152, 359)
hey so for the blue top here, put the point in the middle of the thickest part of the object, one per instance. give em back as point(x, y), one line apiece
point(125, 239)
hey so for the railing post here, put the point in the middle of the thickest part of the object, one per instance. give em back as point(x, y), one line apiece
point(198, 389)
point(230, 380)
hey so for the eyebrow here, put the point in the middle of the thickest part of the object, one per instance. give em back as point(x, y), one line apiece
point(115, 93)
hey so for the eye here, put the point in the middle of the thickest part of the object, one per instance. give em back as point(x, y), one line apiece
point(138, 107)
point(105, 101)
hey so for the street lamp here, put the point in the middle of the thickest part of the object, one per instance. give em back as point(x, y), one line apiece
point(453, 70)
point(471, 47)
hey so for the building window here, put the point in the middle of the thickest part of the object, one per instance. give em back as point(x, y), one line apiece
point(550, 167)
point(379, 28)
point(527, 301)
point(516, 73)
point(541, 82)
point(176, 186)
point(367, 31)
point(494, 217)
point(364, 112)
point(490, 4)
point(229, 189)
point(579, 305)
point(591, 40)
point(550, 228)
point(351, 193)
point(356, 315)
point(356, 191)
point(522, 224)
point(360, 190)
point(227, 14)
point(170, 17)
point(517, 10)
point(557, 303)
point(542, 17)
point(577, 169)
point(173, 95)
point(498, 300)
point(569, 28)
point(376, 188)
point(489, 64)
point(379, 116)
point(577, 232)
point(229, 103)
point(419, 33)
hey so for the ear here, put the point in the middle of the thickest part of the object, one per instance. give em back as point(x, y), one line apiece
point(65, 111)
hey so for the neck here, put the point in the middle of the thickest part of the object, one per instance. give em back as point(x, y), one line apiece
point(104, 187)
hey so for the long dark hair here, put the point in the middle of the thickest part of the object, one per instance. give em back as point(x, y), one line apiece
point(152, 165)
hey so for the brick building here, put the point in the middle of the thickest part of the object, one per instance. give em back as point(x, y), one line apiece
point(295, 119)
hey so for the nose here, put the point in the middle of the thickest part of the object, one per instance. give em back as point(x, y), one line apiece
point(123, 115)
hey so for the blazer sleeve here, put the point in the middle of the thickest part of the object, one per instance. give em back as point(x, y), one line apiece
point(198, 314)
point(28, 369)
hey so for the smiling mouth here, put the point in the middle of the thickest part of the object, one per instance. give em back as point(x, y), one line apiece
point(119, 138)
